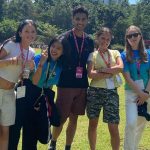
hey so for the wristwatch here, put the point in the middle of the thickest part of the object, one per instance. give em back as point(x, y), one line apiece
point(146, 92)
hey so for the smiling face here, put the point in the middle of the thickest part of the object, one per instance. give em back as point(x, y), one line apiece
point(104, 40)
point(28, 34)
point(56, 50)
point(80, 21)
point(133, 36)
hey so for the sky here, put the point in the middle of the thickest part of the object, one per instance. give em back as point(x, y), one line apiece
point(132, 1)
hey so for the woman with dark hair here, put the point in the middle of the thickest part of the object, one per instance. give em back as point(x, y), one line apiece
point(103, 68)
point(33, 117)
point(15, 54)
point(137, 85)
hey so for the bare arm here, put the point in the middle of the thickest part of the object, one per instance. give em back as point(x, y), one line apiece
point(9, 61)
point(115, 69)
point(95, 74)
point(37, 75)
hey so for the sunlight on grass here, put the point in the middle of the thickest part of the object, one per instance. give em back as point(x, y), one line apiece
point(103, 139)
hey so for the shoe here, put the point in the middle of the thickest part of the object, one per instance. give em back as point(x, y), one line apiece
point(52, 148)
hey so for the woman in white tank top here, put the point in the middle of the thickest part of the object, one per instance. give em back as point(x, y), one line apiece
point(15, 54)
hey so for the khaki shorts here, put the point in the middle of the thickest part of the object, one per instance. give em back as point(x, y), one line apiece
point(7, 107)
point(71, 100)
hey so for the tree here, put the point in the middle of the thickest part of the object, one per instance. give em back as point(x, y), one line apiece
point(7, 29)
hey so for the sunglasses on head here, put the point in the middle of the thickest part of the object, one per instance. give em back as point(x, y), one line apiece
point(129, 36)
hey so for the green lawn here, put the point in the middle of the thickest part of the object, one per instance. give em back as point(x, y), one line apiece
point(103, 139)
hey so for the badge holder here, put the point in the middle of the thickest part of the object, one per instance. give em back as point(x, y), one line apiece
point(79, 72)
point(21, 91)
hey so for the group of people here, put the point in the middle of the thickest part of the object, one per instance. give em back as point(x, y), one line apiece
point(68, 62)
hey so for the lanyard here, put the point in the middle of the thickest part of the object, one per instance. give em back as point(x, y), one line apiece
point(138, 64)
point(24, 59)
point(48, 73)
point(107, 62)
point(76, 43)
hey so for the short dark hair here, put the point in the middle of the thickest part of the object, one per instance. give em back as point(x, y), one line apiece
point(80, 9)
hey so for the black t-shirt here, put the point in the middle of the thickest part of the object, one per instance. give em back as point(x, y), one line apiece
point(68, 75)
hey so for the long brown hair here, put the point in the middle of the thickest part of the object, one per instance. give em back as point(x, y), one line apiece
point(141, 46)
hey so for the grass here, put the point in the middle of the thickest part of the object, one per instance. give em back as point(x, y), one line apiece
point(103, 138)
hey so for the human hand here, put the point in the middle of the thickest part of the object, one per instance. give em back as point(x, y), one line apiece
point(142, 98)
point(44, 56)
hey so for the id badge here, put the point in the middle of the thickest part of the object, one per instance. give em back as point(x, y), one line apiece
point(79, 72)
point(140, 84)
point(119, 80)
point(21, 91)
point(110, 83)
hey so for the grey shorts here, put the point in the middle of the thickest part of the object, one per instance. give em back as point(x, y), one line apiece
point(7, 107)
point(98, 98)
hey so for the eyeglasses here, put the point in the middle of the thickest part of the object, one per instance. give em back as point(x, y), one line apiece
point(129, 36)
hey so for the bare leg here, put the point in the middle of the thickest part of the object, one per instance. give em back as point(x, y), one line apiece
point(4, 137)
point(56, 132)
point(71, 129)
point(92, 133)
point(115, 138)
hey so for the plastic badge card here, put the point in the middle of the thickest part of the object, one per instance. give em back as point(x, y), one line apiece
point(119, 80)
point(79, 72)
point(140, 84)
point(110, 83)
point(21, 91)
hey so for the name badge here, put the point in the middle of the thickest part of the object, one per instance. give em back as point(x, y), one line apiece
point(110, 83)
point(79, 72)
point(119, 80)
point(140, 84)
point(21, 91)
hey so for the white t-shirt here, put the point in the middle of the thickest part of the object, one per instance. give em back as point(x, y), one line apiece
point(12, 72)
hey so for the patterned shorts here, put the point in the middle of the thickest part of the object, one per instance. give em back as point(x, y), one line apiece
point(98, 98)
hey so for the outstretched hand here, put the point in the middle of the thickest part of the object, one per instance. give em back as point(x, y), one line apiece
point(44, 56)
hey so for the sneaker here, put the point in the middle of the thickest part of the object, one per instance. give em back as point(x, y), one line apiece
point(52, 148)
point(52, 145)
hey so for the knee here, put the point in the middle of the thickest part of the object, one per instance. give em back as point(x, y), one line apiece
point(114, 131)
point(93, 125)
point(73, 120)
point(4, 132)
point(131, 125)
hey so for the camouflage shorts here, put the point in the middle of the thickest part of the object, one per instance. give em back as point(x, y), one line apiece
point(106, 98)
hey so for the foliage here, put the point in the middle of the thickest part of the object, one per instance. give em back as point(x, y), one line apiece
point(7, 29)
point(57, 14)
point(46, 32)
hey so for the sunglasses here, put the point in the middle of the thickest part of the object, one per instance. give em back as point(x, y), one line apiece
point(129, 36)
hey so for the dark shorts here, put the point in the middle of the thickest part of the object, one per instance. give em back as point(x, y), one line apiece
point(71, 100)
point(106, 98)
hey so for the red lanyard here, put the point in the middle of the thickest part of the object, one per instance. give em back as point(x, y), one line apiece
point(23, 58)
point(105, 61)
point(77, 47)
point(138, 63)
